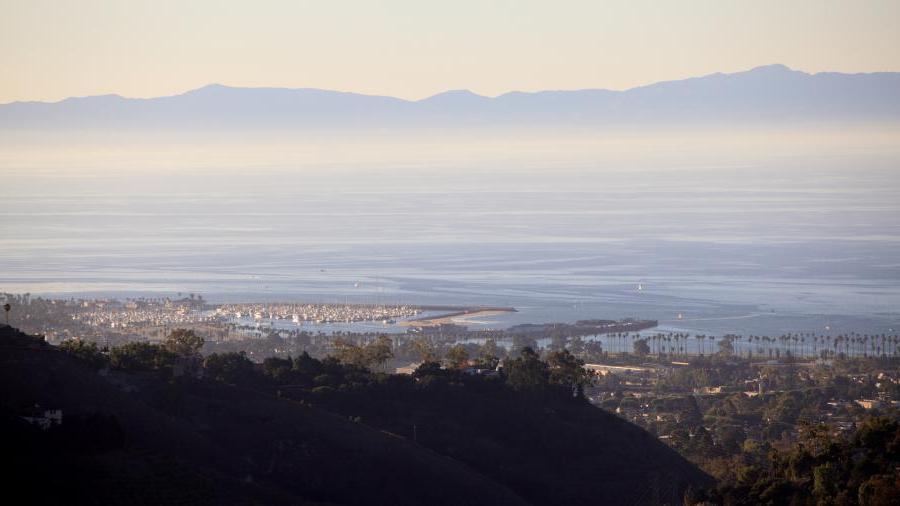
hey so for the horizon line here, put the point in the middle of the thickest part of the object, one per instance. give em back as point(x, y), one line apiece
point(774, 66)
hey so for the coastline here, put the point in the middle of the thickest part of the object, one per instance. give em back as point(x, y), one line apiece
point(453, 317)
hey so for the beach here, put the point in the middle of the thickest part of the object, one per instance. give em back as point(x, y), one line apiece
point(461, 317)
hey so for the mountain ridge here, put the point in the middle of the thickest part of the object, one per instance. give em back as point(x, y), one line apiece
point(210, 86)
point(770, 93)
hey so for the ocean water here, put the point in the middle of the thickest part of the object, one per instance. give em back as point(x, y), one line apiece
point(745, 244)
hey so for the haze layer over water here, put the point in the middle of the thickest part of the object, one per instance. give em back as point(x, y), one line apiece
point(756, 237)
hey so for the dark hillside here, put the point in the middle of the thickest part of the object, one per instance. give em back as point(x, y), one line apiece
point(550, 449)
point(205, 442)
point(317, 432)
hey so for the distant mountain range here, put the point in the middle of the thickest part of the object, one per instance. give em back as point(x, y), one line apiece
point(772, 93)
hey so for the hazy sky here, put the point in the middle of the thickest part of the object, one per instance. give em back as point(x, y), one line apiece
point(414, 48)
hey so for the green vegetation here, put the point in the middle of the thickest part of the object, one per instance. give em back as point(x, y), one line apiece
point(527, 372)
point(231, 368)
point(457, 357)
point(86, 351)
point(179, 345)
point(374, 354)
point(821, 468)
point(141, 357)
point(760, 427)
point(183, 342)
point(641, 348)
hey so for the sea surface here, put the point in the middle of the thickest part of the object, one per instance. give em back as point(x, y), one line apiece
point(745, 244)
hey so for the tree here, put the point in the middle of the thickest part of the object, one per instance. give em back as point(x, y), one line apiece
point(457, 357)
point(527, 372)
point(376, 353)
point(489, 355)
point(184, 343)
point(234, 368)
point(880, 490)
point(279, 369)
point(825, 480)
point(424, 349)
point(568, 371)
point(558, 342)
point(306, 365)
point(141, 357)
point(85, 351)
point(427, 369)
point(641, 348)
point(350, 353)
point(726, 347)
point(821, 468)
point(520, 342)
point(380, 351)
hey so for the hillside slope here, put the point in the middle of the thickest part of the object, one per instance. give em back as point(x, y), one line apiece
point(232, 446)
point(447, 438)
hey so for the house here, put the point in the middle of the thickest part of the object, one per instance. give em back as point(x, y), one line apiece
point(477, 371)
point(45, 420)
point(869, 403)
point(409, 369)
point(708, 390)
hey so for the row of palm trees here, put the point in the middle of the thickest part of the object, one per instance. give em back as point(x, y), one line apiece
point(681, 344)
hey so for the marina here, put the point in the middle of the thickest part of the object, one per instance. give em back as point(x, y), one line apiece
point(113, 321)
